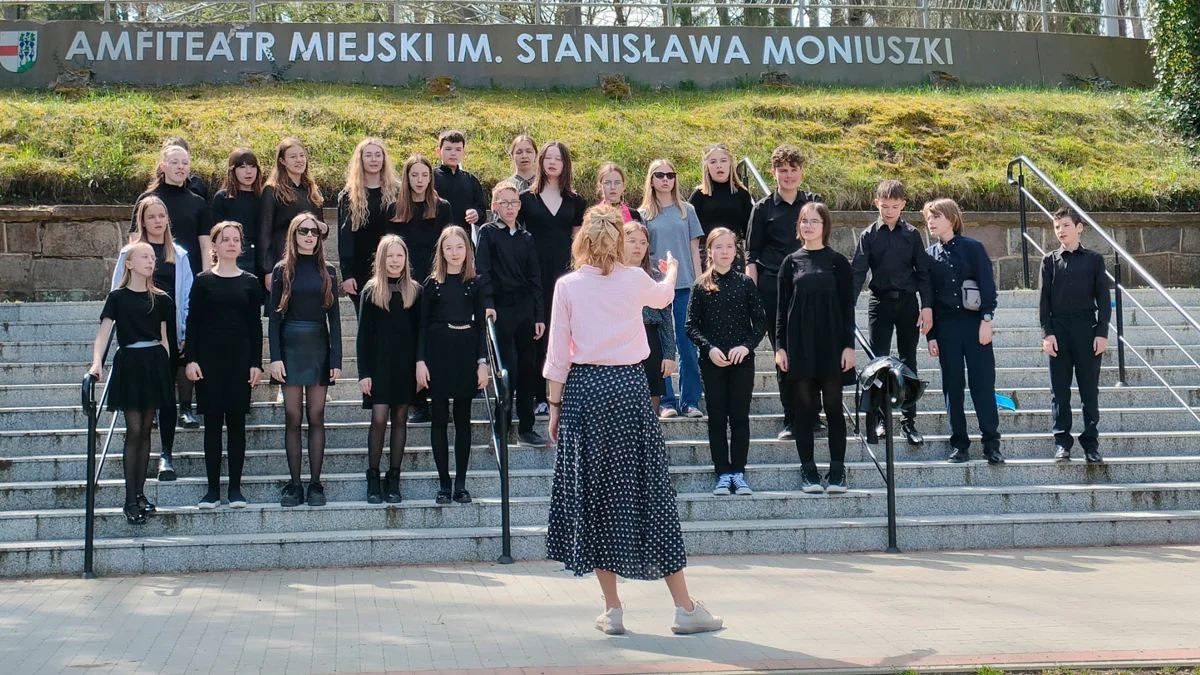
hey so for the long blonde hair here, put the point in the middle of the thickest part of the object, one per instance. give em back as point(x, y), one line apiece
point(706, 181)
point(705, 280)
point(140, 234)
point(291, 253)
point(439, 260)
point(377, 285)
point(356, 182)
point(281, 183)
point(601, 241)
point(127, 272)
point(650, 201)
point(160, 178)
point(406, 208)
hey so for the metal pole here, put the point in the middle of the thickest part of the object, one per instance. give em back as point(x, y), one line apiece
point(1120, 323)
point(253, 11)
point(1111, 29)
point(924, 13)
point(891, 464)
point(502, 420)
point(1024, 228)
point(89, 519)
point(1045, 17)
point(670, 13)
point(107, 10)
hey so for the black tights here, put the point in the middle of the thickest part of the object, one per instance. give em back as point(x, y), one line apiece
point(808, 393)
point(168, 415)
point(236, 423)
point(294, 398)
point(462, 440)
point(379, 420)
point(136, 458)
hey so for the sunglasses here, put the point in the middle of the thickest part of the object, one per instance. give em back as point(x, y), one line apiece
point(309, 231)
point(670, 175)
point(718, 146)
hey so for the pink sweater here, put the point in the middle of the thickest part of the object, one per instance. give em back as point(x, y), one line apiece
point(597, 319)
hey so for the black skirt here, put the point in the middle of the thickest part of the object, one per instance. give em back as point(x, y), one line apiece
point(653, 363)
point(142, 379)
point(394, 381)
point(451, 357)
point(225, 364)
point(305, 351)
point(612, 506)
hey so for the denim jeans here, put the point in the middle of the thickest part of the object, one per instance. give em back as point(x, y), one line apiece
point(689, 369)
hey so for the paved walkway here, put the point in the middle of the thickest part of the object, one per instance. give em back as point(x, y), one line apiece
point(782, 612)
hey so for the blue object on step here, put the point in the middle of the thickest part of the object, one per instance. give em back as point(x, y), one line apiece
point(1005, 403)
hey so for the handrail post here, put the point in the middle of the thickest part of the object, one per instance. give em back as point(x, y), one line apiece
point(1120, 321)
point(889, 444)
point(502, 424)
point(1024, 224)
point(253, 11)
point(89, 520)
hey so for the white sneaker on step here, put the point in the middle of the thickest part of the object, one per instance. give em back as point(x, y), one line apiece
point(611, 622)
point(699, 620)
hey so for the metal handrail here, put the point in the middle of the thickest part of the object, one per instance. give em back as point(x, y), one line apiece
point(92, 410)
point(1020, 164)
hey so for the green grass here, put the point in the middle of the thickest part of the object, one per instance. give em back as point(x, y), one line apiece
point(1108, 150)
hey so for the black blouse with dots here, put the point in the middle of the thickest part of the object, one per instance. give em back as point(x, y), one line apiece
point(730, 317)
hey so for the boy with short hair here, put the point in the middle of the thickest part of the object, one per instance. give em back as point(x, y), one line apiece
point(468, 204)
point(1075, 309)
point(894, 253)
point(771, 238)
point(508, 268)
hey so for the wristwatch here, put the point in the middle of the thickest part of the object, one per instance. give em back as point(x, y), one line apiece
point(987, 317)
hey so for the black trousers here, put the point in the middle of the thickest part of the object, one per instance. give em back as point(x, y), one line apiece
point(728, 391)
point(958, 343)
point(514, 331)
point(769, 292)
point(1075, 355)
point(810, 393)
point(886, 315)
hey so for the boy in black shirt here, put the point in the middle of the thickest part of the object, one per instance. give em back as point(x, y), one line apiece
point(894, 252)
point(771, 238)
point(459, 187)
point(1075, 309)
point(508, 268)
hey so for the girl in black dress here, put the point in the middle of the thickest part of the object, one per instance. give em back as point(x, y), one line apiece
point(388, 320)
point(721, 200)
point(224, 357)
point(305, 332)
point(289, 192)
point(814, 336)
point(553, 213)
point(141, 376)
point(452, 354)
point(365, 207)
point(726, 320)
point(660, 324)
point(239, 200)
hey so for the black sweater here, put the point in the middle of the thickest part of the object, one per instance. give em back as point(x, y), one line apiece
point(304, 304)
point(508, 267)
point(190, 218)
point(723, 208)
point(242, 208)
point(274, 217)
point(462, 190)
point(772, 236)
point(421, 235)
point(730, 317)
point(356, 248)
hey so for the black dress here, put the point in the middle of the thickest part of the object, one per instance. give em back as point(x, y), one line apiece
point(307, 338)
point(452, 338)
point(420, 234)
point(356, 247)
point(190, 217)
point(225, 339)
point(275, 216)
point(387, 348)
point(242, 209)
point(552, 233)
point(815, 322)
point(142, 377)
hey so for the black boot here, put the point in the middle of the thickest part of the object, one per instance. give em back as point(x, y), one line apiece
point(166, 470)
point(374, 495)
point(393, 486)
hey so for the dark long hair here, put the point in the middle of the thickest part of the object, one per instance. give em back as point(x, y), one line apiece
point(291, 253)
point(564, 180)
point(238, 158)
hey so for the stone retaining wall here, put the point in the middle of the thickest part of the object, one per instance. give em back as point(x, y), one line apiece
point(68, 252)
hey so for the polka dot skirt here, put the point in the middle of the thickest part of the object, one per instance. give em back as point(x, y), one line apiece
point(612, 506)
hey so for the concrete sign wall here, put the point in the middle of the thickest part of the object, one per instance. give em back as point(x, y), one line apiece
point(542, 56)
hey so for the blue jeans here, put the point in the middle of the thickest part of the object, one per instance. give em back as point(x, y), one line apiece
point(689, 369)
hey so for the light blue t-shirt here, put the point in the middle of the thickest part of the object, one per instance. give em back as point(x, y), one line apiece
point(674, 231)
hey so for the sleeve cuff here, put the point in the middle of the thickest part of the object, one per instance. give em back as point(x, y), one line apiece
point(555, 373)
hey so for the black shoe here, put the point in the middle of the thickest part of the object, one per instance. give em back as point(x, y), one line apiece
point(210, 500)
point(542, 410)
point(443, 497)
point(533, 439)
point(134, 515)
point(187, 420)
point(1061, 454)
point(994, 457)
point(462, 496)
point(145, 506)
point(913, 436)
point(810, 482)
point(374, 492)
point(316, 494)
point(835, 482)
point(1093, 456)
point(418, 414)
point(293, 495)
point(958, 457)
point(166, 471)
point(393, 486)
point(785, 435)
point(236, 499)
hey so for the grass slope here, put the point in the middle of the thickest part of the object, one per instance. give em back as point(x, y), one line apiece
point(1106, 149)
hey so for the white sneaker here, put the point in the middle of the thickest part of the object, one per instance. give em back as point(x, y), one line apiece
point(667, 412)
point(612, 621)
point(699, 620)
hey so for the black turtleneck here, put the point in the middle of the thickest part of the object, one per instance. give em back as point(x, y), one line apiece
point(723, 208)
point(190, 218)
point(241, 208)
point(275, 216)
point(305, 304)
